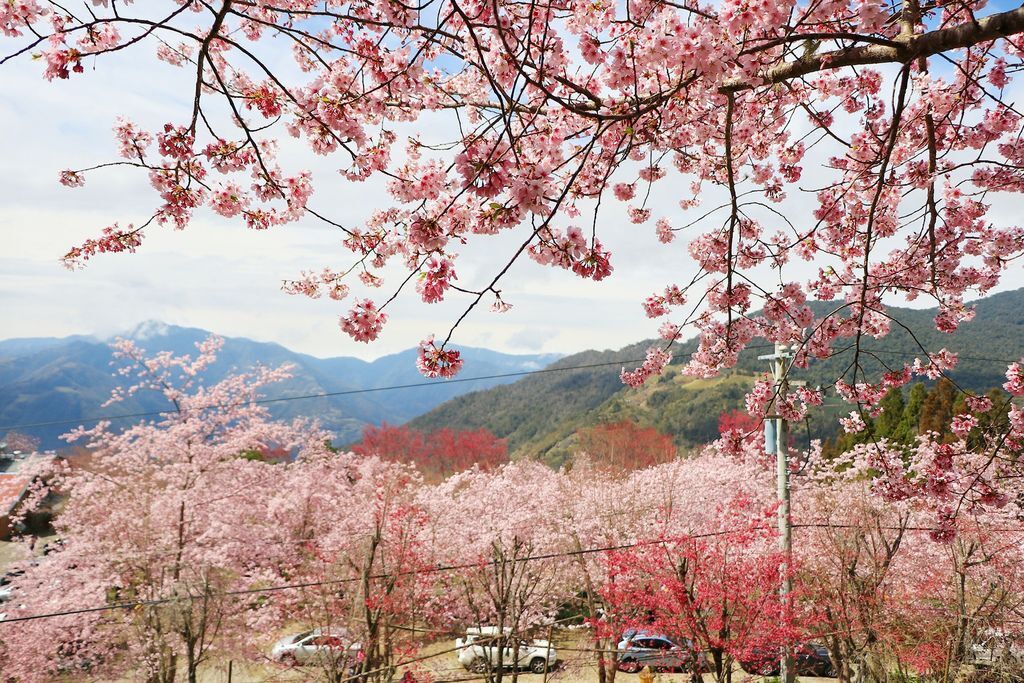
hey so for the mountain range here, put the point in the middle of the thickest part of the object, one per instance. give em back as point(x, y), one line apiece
point(48, 379)
point(67, 379)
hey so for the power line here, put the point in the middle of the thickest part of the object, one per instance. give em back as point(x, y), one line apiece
point(332, 582)
point(328, 394)
point(457, 380)
point(451, 567)
point(959, 356)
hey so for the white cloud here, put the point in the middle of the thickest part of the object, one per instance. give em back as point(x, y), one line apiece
point(531, 339)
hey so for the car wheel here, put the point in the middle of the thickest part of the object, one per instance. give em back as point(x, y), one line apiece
point(538, 665)
point(478, 665)
point(830, 672)
point(630, 666)
point(288, 659)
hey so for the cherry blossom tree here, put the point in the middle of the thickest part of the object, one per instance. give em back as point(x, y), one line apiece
point(342, 532)
point(901, 112)
point(718, 590)
point(969, 595)
point(886, 594)
point(501, 529)
point(670, 502)
point(148, 522)
point(849, 565)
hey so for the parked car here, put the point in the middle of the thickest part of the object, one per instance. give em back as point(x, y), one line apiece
point(10, 576)
point(479, 650)
point(316, 646)
point(638, 649)
point(994, 648)
point(810, 659)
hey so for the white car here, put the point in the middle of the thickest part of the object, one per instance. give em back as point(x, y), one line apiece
point(993, 647)
point(479, 650)
point(316, 646)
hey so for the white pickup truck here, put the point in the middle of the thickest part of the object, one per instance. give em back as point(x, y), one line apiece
point(478, 651)
point(994, 648)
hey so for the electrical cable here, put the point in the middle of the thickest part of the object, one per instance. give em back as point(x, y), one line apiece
point(457, 380)
point(441, 569)
point(326, 394)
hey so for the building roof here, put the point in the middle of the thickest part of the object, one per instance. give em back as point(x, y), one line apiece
point(16, 474)
point(16, 462)
point(12, 489)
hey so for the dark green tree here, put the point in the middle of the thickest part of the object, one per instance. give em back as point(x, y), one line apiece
point(887, 424)
point(937, 409)
point(907, 428)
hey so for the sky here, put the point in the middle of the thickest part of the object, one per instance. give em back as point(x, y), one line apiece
point(219, 276)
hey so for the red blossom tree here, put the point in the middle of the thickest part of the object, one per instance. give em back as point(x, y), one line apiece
point(718, 590)
point(740, 423)
point(623, 446)
point(436, 454)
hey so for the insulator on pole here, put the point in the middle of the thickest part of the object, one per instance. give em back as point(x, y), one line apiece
point(769, 436)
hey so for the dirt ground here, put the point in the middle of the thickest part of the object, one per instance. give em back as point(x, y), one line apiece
point(9, 553)
point(576, 666)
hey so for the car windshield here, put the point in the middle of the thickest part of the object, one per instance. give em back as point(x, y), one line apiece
point(302, 636)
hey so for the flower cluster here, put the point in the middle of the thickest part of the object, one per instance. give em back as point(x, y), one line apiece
point(435, 279)
point(655, 362)
point(1015, 379)
point(112, 241)
point(364, 322)
point(658, 304)
point(437, 362)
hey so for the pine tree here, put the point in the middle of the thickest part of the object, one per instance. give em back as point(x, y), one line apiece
point(887, 424)
point(937, 409)
point(907, 429)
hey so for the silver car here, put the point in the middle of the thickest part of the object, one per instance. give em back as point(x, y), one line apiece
point(637, 650)
point(316, 647)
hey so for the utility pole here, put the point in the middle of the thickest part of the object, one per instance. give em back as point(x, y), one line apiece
point(776, 433)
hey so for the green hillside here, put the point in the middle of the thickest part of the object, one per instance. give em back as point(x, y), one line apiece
point(539, 414)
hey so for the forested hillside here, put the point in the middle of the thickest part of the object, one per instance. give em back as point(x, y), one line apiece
point(539, 414)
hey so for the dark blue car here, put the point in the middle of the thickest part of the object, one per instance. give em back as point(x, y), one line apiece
point(809, 659)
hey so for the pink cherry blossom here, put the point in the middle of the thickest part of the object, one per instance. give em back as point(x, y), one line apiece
point(71, 179)
point(364, 322)
point(655, 362)
point(1015, 379)
point(437, 362)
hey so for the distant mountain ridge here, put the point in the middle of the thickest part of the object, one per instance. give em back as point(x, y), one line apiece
point(48, 379)
point(540, 414)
